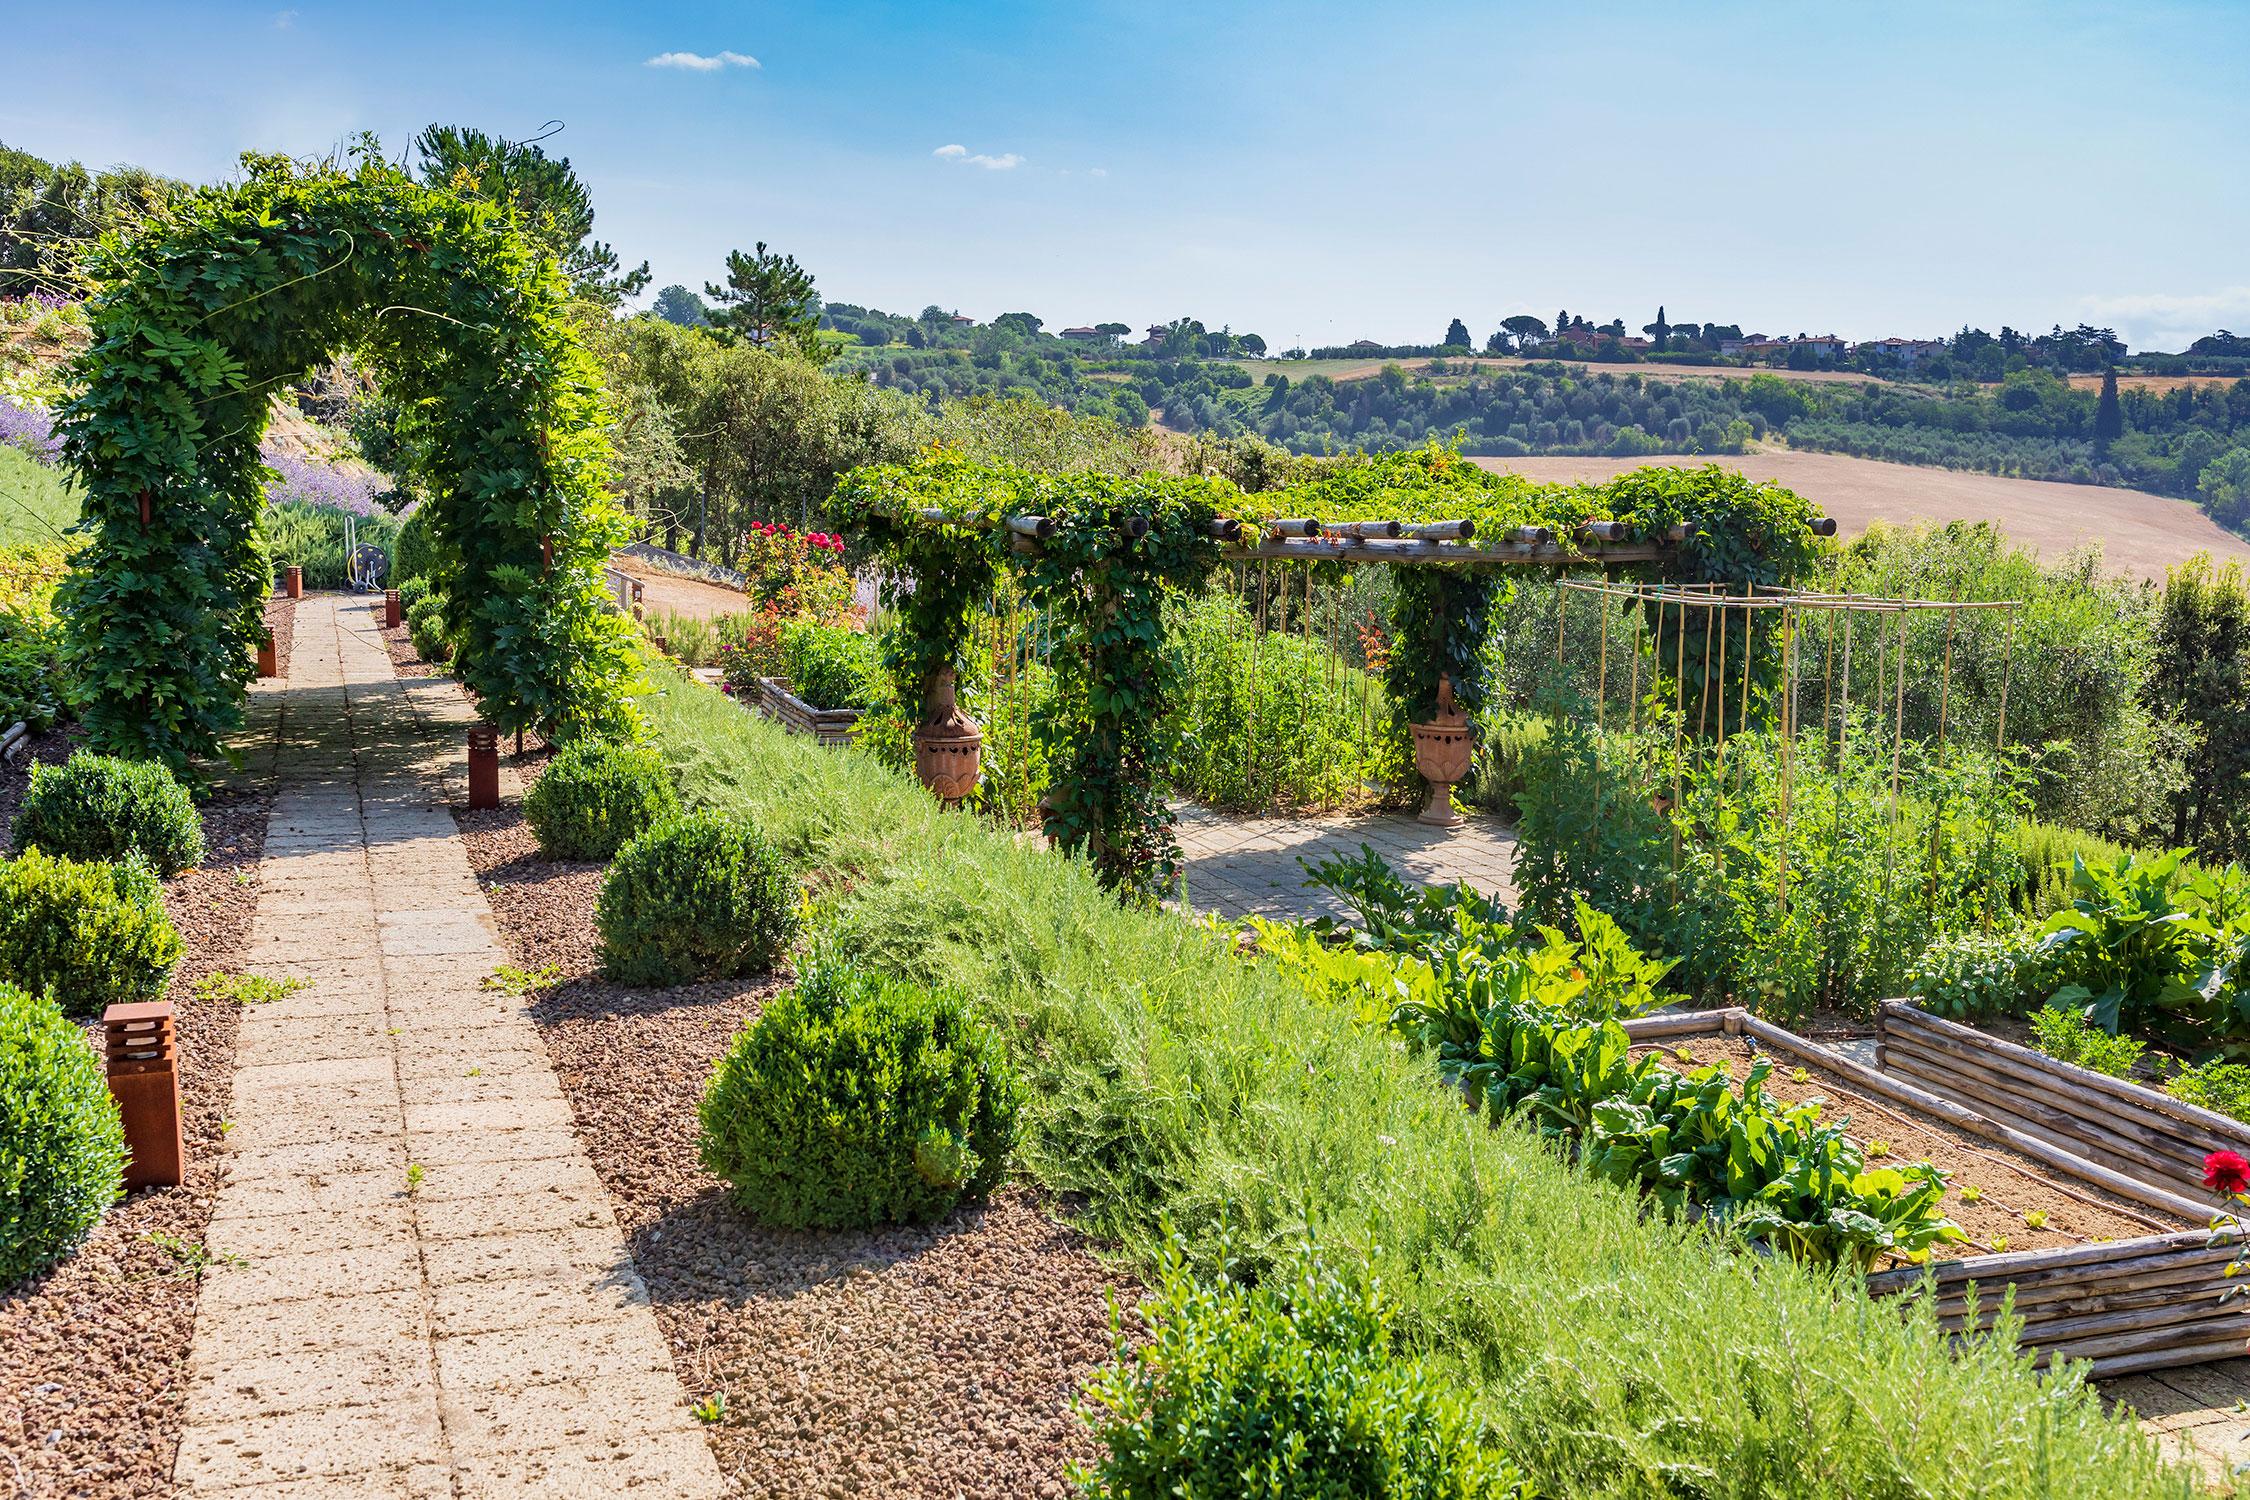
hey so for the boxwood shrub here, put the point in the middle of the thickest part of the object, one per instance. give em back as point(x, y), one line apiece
point(697, 897)
point(100, 807)
point(593, 797)
point(62, 1149)
point(1285, 1391)
point(84, 934)
point(857, 1100)
point(425, 626)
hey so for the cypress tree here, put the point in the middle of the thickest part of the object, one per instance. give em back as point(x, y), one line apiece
point(2109, 415)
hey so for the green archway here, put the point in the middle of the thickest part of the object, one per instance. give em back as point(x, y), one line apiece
point(245, 287)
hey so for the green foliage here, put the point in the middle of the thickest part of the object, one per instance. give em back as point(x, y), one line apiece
point(2046, 854)
point(855, 1100)
point(546, 200)
point(311, 537)
point(767, 299)
point(594, 797)
point(62, 1150)
point(1973, 974)
point(244, 285)
point(37, 677)
point(698, 897)
point(2214, 1085)
point(2068, 672)
point(412, 591)
point(2069, 1037)
point(2201, 672)
point(93, 807)
point(84, 935)
point(831, 666)
point(1287, 1390)
point(2153, 946)
point(1169, 1089)
point(426, 627)
point(1272, 721)
point(414, 556)
point(1785, 878)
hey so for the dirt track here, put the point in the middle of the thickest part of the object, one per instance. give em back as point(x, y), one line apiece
point(2140, 533)
point(671, 593)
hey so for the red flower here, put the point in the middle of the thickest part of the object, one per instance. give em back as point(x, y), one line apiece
point(2227, 1172)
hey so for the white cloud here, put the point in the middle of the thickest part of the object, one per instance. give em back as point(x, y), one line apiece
point(1099, 172)
point(1005, 161)
point(2170, 320)
point(696, 62)
point(284, 20)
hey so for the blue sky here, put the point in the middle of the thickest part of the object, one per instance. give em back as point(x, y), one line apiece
point(1314, 172)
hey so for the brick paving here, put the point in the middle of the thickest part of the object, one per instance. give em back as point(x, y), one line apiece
point(472, 1329)
point(1243, 867)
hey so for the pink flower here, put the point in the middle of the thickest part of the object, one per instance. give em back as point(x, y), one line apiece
point(2226, 1172)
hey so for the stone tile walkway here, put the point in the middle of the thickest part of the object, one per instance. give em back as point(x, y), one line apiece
point(2195, 1412)
point(1249, 866)
point(432, 1297)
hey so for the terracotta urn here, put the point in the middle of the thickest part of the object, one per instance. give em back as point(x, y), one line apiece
point(948, 746)
point(1442, 749)
point(294, 581)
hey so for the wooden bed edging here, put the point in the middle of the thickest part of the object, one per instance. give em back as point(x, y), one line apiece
point(2150, 1302)
point(829, 726)
point(2164, 1138)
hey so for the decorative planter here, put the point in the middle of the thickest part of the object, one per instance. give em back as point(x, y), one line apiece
point(296, 582)
point(1442, 749)
point(948, 745)
point(2146, 1302)
point(269, 656)
point(948, 761)
point(390, 609)
point(484, 766)
point(830, 726)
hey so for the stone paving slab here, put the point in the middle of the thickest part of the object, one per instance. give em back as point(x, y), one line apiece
point(1242, 867)
point(423, 1291)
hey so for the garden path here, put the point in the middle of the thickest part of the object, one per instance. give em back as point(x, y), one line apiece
point(421, 1288)
point(1249, 866)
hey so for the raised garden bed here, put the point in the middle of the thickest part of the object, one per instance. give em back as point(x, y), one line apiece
point(829, 726)
point(2120, 1268)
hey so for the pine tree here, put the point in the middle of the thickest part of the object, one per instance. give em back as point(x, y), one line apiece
point(2109, 415)
point(768, 300)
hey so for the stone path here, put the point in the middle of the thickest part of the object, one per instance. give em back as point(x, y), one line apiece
point(433, 1298)
point(2195, 1412)
point(1249, 866)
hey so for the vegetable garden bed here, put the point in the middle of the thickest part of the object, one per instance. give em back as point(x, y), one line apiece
point(829, 726)
point(2111, 1259)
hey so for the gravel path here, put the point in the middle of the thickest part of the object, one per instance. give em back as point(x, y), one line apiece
point(93, 1355)
point(937, 1361)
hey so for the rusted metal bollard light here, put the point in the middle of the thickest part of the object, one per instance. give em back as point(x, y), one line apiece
point(484, 766)
point(269, 656)
point(296, 580)
point(140, 1048)
point(390, 609)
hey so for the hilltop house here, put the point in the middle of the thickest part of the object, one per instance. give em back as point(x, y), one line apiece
point(1903, 351)
point(1084, 335)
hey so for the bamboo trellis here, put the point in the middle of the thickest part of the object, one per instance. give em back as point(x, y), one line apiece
point(1785, 612)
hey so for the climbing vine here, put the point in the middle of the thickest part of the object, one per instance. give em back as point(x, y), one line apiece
point(195, 324)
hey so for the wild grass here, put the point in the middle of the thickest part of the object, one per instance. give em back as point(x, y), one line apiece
point(1171, 1087)
point(36, 503)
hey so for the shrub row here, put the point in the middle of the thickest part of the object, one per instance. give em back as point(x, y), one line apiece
point(1171, 1091)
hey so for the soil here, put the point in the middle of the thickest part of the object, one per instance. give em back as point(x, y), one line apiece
point(664, 592)
point(405, 660)
point(2140, 533)
point(93, 1354)
point(2009, 1185)
point(932, 1361)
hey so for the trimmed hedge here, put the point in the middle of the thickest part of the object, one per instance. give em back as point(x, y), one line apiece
point(99, 807)
point(62, 1148)
point(855, 1100)
point(699, 897)
point(595, 797)
point(1171, 1089)
point(86, 935)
